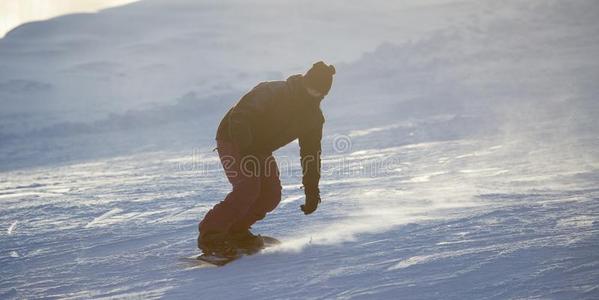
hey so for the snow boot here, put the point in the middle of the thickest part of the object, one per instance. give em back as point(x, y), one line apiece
point(246, 240)
point(218, 244)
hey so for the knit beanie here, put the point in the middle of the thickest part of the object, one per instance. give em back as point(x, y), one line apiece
point(320, 77)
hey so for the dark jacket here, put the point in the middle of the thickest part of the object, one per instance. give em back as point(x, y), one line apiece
point(272, 115)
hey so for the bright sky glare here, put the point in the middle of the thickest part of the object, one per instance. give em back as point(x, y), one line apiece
point(16, 12)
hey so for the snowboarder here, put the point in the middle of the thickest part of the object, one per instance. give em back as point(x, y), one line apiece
point(270, 116)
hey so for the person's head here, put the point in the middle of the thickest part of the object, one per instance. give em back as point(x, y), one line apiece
point(318, 79)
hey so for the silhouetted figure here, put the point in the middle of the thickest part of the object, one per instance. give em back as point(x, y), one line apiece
point(267, 118)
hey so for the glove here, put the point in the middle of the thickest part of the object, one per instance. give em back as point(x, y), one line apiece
point(312, 201)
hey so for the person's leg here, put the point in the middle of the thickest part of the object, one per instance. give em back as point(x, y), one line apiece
point(268, 200)
point(246, 189)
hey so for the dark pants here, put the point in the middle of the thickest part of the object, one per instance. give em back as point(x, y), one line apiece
point(256, 191)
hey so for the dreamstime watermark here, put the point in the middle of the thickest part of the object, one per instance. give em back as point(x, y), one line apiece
point(342, 144)
point(340, 163)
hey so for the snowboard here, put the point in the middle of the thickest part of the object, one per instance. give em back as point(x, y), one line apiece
point(205, 260)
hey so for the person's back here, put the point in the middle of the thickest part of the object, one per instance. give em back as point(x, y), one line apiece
point(270, 116)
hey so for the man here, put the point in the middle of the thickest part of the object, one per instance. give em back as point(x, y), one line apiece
point(270, 116)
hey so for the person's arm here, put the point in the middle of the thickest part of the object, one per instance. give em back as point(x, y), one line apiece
point(251, 107)
point(310, 150)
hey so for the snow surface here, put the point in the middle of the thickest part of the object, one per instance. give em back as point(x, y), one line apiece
point(461, 155)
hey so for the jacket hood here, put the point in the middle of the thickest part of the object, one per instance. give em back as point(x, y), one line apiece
point(296, 85)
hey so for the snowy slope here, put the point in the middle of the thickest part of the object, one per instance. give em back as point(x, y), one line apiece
point(155, 63)
point(453, 219)
point(461, 157)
